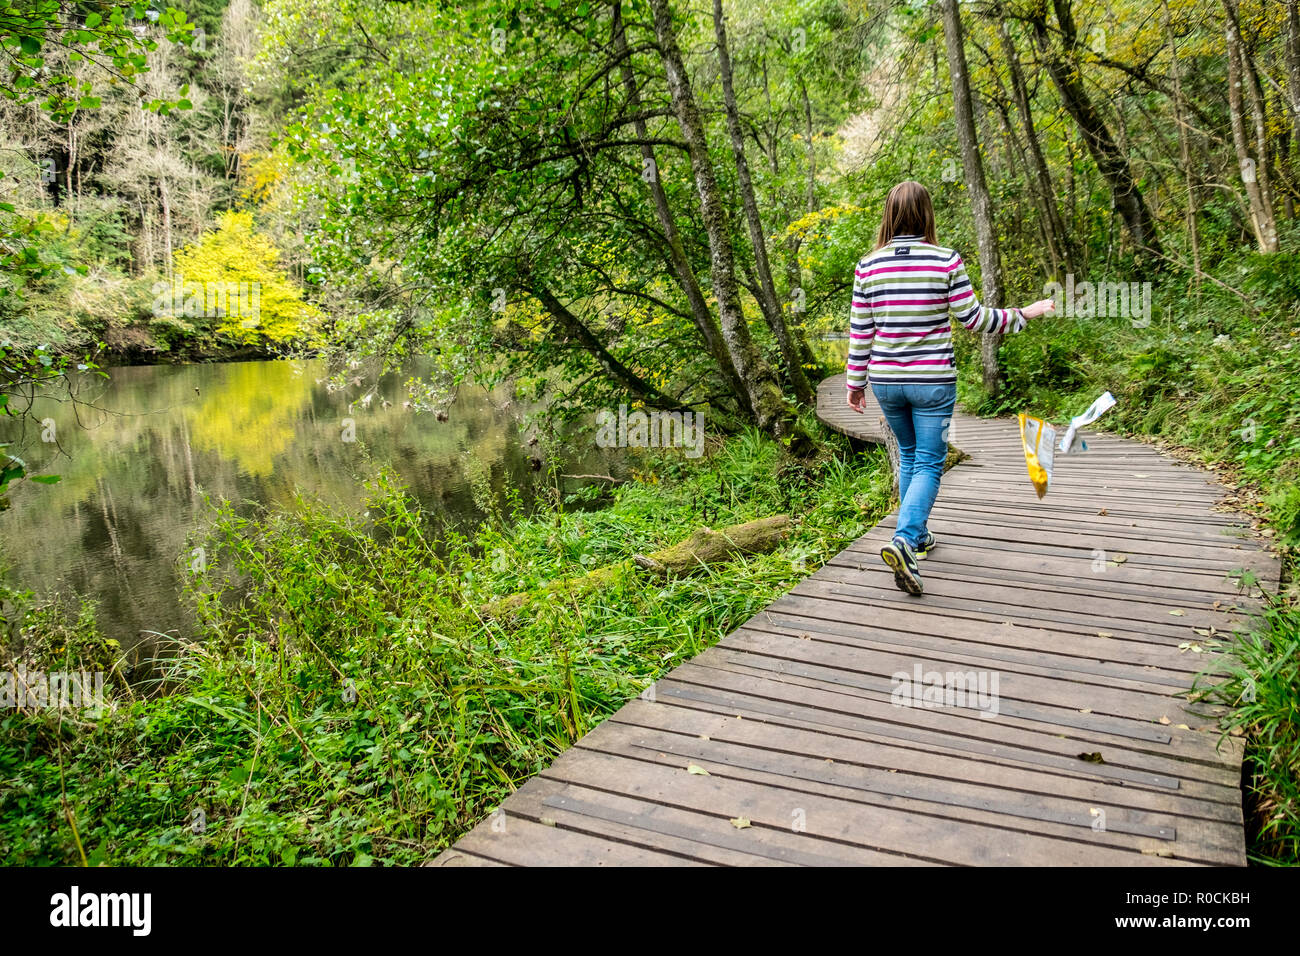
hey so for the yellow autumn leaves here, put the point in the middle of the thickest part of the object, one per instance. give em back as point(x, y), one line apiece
point(232, 274)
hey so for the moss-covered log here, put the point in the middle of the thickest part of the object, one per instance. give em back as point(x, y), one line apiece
point(705, 546)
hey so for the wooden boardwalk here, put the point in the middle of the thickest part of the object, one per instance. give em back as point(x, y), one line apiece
point(1084, 606)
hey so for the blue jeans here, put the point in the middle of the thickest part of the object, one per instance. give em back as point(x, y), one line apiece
point(919, 416)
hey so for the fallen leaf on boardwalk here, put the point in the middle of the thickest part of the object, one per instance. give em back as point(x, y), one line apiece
point(1105, 634)
point(1177, 612)
point(1120, 558)
point(1182, 727)
point(1191, 646)
point(1235, 731)
point(1160, 852)
point(1164, 720)
point(700, 770)
point(1102, 511)
point(740, 823)
point(1140, 475)
point(704, 736)
point(1096, 811)
point(1204, 632)
point(1093, 757)
point(1086, 710)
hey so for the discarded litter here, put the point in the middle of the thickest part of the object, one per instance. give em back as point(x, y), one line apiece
point(1039, 440)
point(1073, 442)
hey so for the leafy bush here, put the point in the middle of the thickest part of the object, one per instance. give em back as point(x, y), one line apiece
point(232, 274)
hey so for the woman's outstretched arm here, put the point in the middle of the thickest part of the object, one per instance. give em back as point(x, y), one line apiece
point(979, 318)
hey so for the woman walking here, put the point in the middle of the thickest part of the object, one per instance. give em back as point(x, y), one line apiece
point(900, 342)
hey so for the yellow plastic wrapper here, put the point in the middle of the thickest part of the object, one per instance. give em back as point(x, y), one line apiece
point(1039, 439)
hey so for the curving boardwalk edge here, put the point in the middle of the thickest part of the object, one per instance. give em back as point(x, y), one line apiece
point(1048, 659)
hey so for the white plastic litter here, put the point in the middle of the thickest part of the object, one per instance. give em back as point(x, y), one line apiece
point(1073, 442)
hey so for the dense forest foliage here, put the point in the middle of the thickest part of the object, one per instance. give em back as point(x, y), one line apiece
point(648, 201)
point(665, 204)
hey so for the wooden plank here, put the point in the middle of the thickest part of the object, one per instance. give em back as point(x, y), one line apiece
point(797, 614)
point(758, 751)
point(854, 666)
point(1160, 527)
point(881, 827)
point(1083, 680)
point(708, 837)
point(1150, 608)
point(1109, 666)
point(791, 748)
point(978, 605)
point(959, 557)
point(651, 826)
point(715, 686)
point(518, 841)
point(1195, 743)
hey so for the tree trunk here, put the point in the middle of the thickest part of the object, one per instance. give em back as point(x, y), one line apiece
point(768, 302)
point(1052, 264)
point(1059, 243)
point(705, 324)
point(1111, 161)
point(1293, 65)
point(986, 236)
point(1184, 146)
point(1253, 169)
point(810, 206)
point(810, 148)
point(704, 547)
point(165, 198)
point(756, 375)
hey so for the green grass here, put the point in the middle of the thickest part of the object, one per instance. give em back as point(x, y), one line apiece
point(1258, 680)
point(347, 705)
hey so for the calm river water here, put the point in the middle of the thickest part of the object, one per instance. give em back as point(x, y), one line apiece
point(143, 446)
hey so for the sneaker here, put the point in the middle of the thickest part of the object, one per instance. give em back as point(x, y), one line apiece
point(900, 557)
point(926, 547)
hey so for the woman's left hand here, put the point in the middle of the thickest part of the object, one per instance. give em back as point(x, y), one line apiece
point(858, 400)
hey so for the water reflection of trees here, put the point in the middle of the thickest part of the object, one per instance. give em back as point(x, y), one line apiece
point(154, 440)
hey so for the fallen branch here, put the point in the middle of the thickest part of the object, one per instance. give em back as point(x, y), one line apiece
point(704, 547)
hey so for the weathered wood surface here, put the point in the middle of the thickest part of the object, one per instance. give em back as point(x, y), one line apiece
point(1083, 605)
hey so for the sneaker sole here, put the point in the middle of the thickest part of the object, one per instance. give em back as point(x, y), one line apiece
point(903, 577)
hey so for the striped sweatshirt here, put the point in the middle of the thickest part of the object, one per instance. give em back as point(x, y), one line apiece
point(899, 326)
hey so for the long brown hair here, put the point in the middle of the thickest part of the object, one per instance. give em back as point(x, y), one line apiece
point(908, 212)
